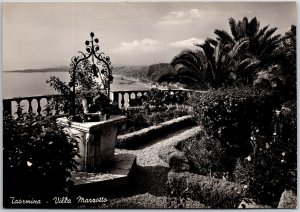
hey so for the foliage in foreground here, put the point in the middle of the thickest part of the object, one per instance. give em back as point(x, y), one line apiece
point(230, 115)
point(271, 167)
point(38, 157)
point(254, 137)
point(213, 192)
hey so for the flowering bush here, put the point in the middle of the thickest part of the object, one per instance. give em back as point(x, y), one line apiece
point(271, 166)
point(230, 115)
point(38, 157)
point(205, 154)
point(160, 99)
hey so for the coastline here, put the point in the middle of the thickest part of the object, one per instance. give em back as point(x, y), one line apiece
point(148, 84)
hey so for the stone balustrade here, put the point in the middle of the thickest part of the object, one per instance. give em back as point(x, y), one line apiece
point(37, 104)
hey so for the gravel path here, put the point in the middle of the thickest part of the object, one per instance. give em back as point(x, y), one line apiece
point(147, 156)
point(148, 189)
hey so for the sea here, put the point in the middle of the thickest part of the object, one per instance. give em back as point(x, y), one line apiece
point(24, 84)
point(18, 84)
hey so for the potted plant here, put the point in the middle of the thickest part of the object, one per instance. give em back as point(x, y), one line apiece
point(87, 107)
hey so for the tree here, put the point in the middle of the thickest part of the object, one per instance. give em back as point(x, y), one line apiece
point(288, 60)
point(221, 56)
point(189, 69)
point(262, 51)
point(232, 58)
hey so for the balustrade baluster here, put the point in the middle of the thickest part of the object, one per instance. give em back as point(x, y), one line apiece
point(122, 99)
point(39, 108)
point(19, 109)
point(48, 98)
point(129, 98)
point(144, 94)
point(116, 97)
point(29, 105)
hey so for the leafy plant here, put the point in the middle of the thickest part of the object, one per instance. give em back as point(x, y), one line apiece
point(272, 165)
point(38, 157)
point(83, 86)
point(87, 90)
point(139, 118)
point(206, 155)
point(215, 193)
point(230, 115)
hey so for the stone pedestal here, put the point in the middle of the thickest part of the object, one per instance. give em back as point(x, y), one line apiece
point(96, 141)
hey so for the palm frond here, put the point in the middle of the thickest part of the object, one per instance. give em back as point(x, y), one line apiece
point(224, 36)
point(233, 28)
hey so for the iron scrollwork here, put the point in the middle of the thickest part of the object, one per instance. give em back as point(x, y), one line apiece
point(100, 65)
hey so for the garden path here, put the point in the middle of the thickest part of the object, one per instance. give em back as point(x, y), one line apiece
point(147, 155)
point(148, 190)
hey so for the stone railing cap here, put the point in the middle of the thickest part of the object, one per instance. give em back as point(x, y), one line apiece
point(90, 126)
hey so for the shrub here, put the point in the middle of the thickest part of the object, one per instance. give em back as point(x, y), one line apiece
point(272, 166)
point(160, 99)
point(136, 120)
point(205, 154)
point(208, 190)
point(139, 118)
point(38, 157)
point(141, 137)
point(230, 115)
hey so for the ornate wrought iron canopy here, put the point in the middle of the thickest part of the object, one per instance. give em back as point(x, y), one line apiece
point(100, 65)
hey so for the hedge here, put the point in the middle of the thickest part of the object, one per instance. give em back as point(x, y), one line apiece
point(229, 116)
point(138, 138)
point(210, 191)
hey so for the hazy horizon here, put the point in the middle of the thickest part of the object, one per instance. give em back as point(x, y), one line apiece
point(44, 35)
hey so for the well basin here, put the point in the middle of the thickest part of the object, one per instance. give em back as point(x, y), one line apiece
point(96, 141)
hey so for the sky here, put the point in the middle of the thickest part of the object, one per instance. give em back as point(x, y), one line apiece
point(42, 35)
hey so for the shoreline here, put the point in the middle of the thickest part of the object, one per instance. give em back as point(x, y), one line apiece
point(149, 84)
point(143, 84)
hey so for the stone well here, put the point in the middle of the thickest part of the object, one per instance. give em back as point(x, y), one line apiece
point(96, 141)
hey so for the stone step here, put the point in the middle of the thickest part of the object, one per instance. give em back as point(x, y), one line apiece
point(117, 173)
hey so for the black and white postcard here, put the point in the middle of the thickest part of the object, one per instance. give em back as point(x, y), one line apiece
point(166, 105)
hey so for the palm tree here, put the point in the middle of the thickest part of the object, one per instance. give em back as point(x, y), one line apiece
point(221, 55)
point(189, 69)
point(288, 60)
point(235, 57)
point(262, 50)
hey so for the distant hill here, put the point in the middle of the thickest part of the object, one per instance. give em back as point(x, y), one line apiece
point(58, 69)
point(144, 73)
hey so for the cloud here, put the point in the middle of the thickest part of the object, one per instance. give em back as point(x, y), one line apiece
point(145, 45)
point(179, 18)
point(186, 43)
